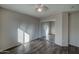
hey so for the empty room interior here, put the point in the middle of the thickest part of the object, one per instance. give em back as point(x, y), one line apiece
point(39, 29)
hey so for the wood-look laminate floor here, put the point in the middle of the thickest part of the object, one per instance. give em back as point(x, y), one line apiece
point(38, 47)
point(73, 49)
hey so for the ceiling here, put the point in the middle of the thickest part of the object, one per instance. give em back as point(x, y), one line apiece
point(30, 9)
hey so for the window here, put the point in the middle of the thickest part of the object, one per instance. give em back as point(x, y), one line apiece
point(23, 37)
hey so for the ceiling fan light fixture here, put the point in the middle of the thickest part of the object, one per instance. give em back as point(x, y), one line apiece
point(41, 8)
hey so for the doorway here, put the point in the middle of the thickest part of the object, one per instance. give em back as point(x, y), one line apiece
point(48, 30)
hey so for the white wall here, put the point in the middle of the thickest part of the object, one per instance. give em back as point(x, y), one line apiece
point(58, 28)
point(74, 29)
point(0, 31)
point(9, 21)
point(65, 29)
point(50, 18)
point(53, 27)
point(61, 37)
